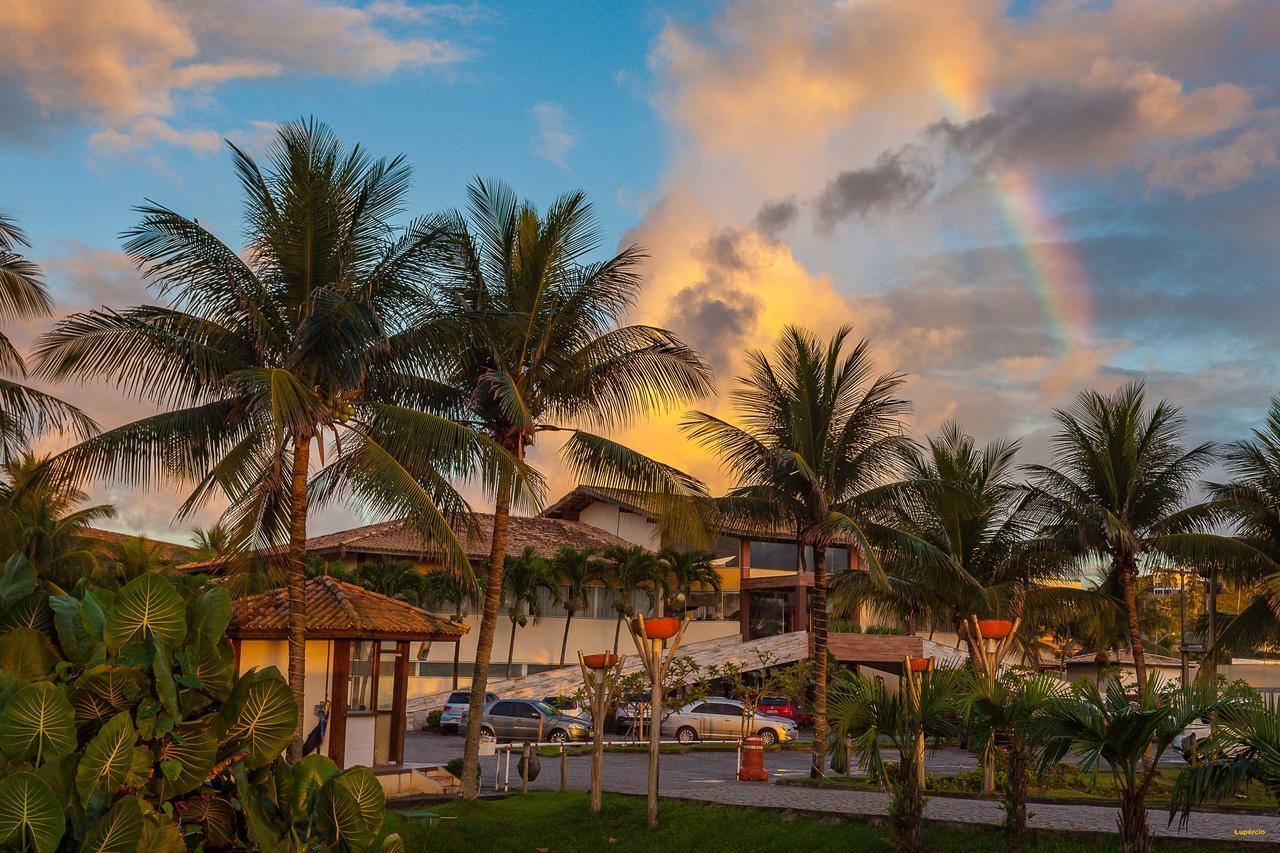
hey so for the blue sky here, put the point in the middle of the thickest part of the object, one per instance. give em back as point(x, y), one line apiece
point(1011, 201)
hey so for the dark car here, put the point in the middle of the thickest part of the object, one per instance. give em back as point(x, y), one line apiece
point(531, 720)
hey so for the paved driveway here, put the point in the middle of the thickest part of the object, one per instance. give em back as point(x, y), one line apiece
point(709, 776)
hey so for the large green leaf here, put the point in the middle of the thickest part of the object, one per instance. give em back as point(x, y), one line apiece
point(310, 774)
point(30, 611)
point(368, 794)
point(192, 748)
point(38, 723)
point(147, 608)
point(261, 716)
point(393, 844)
point(215, 817)
point(117, 831)
point(340, 819)
point(166, 688)
point(26, 653)
point(72, 636)
point(17, 581)
point(208, 667)
point(160, 836)
point(208, 615)
point(261, 830)
point(30, 815)
point(112, 758)
point(105, 690)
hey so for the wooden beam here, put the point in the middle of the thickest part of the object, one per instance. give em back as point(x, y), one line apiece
point(399, 701)
point(340, 688)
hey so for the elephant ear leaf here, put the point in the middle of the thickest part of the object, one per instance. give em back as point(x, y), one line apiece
point(103, 691)
point(392, 844)
point(17, 581)
point(340, 819)
point(30, 611)
point(25, 653)
point(193, 749)
point(216, 819)
point(38, 723)
point(368, 794)
point(112, 759)
point(148, 608)
point(261, 717)
point(160, 836)
point(117, 831)
point(259, 825)
point(209, 615)
point(30, 815)
point(72, 635)
point(310, 774)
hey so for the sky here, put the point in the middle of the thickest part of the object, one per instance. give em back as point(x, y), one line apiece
point(1010, 200)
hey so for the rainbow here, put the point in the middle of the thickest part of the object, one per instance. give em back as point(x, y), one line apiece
point(1049, 264)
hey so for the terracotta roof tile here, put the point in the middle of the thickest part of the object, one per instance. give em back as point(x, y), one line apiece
point(337, 609)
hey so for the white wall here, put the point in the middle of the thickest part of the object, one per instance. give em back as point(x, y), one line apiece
point(630, 526)
point(264, 653)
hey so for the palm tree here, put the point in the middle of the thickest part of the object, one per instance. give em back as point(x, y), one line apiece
point(1244, 747)
point(965, 503)
point(463, 594)
point(864, 712)
point(26, 413)
point(312, 332)
point(821, 436)
point(543, 350)
point(45, 519)
point(523, 579)
point(1015, 706)
point(1117, 488)
point(576, 570)
point(686, 570)
point(1129, 734)
point(211, 543)
point(632, 569)
point(1250, 503)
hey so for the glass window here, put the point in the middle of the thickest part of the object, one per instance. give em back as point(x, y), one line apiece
point(502, 709)
point(360, 676)
point(387, 655)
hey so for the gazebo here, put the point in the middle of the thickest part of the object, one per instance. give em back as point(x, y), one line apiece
point(357, 669)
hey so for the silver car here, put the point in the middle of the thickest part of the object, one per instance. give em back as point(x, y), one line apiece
point(717, 718)
point(454, 713)
point(531, 720)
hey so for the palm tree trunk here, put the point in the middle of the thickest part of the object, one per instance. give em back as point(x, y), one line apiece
point(297, 580)
point(617, 632)
point(457, 649)
point(484, 642)
point(1129, 580)
point(818, 614)
point(564, 644)
point(1016, 797)
point(511, 644)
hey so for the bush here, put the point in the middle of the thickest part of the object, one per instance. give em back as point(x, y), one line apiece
point(433, 719)
point(123, 726)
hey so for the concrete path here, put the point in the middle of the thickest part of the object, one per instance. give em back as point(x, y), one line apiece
point(708, 777)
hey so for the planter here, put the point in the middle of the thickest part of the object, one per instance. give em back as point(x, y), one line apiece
point(657, 628)
point(921, 664)
point(994, 629)
point(603, 661)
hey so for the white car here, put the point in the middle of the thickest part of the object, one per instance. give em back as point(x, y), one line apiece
point(717, 718)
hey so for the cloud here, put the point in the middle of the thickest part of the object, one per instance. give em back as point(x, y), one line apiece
point(126, 66)
point(896, 181)
point(777, 215)
point(556, 136)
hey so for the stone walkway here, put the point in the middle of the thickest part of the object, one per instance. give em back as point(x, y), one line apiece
point(708, 777)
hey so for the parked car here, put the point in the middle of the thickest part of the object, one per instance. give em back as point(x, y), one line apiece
point(777, 706)
point(1201, 729)
point(717, 718)
point(629, 709)
point(455, 709)
point(567, 706)
point(529, 719)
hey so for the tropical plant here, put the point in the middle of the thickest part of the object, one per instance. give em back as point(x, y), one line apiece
point(821, 438)
point(26, 413)
point(1244, 747)
point(1129, 733)
point(531, 331)
point(632, 569)
point(687, 569)
point(864, 712)
point(124, 726)
point(1014, 707)
point(1116, 490)
point(45, 519)
point(211, 543)
point(769, 679)
point(524, 577)
point(577, 570)
point(307, 338)
point(462, 594)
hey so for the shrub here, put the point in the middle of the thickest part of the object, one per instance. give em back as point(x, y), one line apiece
point(123, 726)
point(433, 719)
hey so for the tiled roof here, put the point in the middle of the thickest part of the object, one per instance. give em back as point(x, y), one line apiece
point(171, 551)
point(337, 609)
point(1124, 658)
point(398, 538)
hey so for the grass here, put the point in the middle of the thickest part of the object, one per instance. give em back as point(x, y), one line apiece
point(562, 822)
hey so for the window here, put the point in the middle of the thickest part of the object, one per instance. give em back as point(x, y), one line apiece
point(723, 708)
point(360, 695)
point(700, 708)
point(503, 709)
point(388, 653)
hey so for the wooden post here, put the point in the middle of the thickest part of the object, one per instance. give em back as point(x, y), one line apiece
point(564, 770)
point(655, 664)
point(524, 769)
point(988, 666)
point(599, 690)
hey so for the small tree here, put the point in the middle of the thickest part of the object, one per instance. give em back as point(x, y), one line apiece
point(633, 569)
point(577, 569)
point(686, 570)
point(1123, 732)
point(523, 578)
point(751, 687)
point(1014, 706)
point(865, 711)
point(683, 679)
point(1245, 747)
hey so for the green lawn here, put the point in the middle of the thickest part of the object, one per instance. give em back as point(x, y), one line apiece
point(562, 822)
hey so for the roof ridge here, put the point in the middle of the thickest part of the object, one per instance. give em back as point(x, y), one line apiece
point(340, 595)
